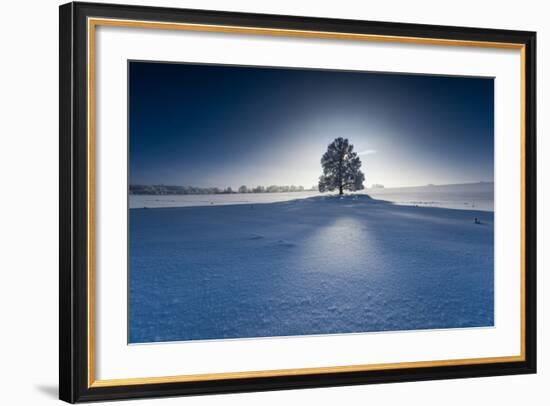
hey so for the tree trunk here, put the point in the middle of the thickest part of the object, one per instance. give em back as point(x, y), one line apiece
point(341, 189)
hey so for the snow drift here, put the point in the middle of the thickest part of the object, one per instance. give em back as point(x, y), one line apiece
point(320, 265)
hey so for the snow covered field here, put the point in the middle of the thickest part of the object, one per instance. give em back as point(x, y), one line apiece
point(152, 201)
point(469, 196)
point(318, 265)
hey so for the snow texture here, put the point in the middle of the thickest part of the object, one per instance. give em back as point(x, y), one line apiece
point(321, 265)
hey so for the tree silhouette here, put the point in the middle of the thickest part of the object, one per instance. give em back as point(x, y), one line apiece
point(341, 168)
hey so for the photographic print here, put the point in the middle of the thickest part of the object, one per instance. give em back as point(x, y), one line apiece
point(272, 202)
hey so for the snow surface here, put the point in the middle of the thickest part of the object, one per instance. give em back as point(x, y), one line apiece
point(319, 265)
point(152, 201)
point(468, 196)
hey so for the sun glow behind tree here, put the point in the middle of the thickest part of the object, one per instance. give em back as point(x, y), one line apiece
point(189, 126)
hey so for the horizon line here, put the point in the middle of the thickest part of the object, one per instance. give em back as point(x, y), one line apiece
point(372, 186)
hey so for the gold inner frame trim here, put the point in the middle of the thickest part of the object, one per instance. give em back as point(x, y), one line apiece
point(94, 22)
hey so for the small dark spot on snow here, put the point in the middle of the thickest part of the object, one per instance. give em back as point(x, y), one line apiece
point(284, 243)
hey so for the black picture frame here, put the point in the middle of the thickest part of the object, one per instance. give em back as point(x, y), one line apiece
point(74, 385)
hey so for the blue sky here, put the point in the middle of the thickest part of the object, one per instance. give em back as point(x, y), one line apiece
point(215, 125)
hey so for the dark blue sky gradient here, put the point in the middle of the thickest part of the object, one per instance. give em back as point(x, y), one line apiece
point(214, 125)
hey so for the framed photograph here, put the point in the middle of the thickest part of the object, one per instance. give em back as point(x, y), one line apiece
point(256, 202)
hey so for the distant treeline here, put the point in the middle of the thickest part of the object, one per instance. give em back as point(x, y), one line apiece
point(193, 190)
